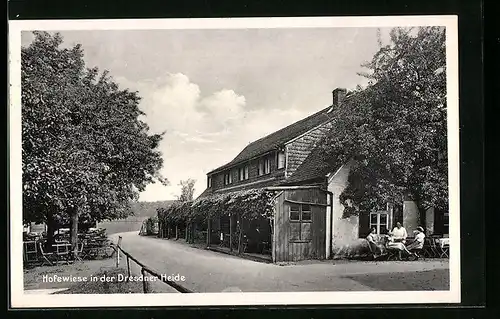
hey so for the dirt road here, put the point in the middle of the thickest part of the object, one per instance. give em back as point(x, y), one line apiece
point(207, 271)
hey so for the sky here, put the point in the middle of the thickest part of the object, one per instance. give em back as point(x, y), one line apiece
point(213, 91)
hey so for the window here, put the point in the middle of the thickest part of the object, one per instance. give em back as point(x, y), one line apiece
point(281, 159)
point(267, 166)
point(243, 173)
point(228, 178)
point(264, 167)
point(300, 222)
point(379, 221)
point(209, 182)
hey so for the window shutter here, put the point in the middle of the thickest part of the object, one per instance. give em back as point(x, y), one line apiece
point(364, 224)
point(281, 160)
point(397, 214)
point(439, 228)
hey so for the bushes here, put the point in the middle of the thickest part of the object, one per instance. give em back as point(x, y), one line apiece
point(149, 226)
point(176, 213)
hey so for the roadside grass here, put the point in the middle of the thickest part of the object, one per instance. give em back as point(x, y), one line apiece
point(33, 276)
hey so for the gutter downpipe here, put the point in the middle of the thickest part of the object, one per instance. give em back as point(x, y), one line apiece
point(329, 226)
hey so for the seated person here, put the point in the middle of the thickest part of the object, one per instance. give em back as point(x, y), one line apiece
point(392, 244)
point(418, 243)
point(372, 241)
point(399, 233)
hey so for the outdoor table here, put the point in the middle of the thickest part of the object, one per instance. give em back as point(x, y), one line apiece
point(443, 242)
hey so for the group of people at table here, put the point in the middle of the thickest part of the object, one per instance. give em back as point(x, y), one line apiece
point(396, 240)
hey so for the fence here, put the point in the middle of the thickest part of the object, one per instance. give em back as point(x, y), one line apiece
point(144, 270)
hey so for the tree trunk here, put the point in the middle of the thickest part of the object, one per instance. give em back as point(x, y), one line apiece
point(208, 231)
point(51, 227)
point(230, 233)
point(176, 232)
point(240, 234)
point(74, 231)
point(193, 230)
point(422, 212)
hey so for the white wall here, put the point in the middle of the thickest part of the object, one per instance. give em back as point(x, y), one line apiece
point(410, 216)
point(429, 220)
point(345, 239)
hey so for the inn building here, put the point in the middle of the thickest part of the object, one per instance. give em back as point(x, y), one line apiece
point(308, 218)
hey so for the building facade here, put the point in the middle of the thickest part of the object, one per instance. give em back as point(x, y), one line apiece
point(309, 222)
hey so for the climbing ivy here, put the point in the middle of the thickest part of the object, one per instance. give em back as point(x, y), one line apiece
point(249, 204)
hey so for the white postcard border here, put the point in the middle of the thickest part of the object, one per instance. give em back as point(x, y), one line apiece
point(21, 300)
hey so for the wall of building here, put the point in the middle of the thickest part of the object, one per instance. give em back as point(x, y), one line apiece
point(344, 241)
point(253, 175)
point(429, 221)
point(411, 218)
point(298, 150)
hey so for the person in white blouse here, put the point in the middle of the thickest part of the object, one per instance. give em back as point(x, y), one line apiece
point(418, 243)
point(372, 239)
point(399, 233)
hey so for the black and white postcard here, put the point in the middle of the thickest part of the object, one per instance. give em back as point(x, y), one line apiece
point(246, 161)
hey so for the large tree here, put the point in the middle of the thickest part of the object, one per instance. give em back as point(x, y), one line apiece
point(395, 129)
point(86, 153)
point(187, 190)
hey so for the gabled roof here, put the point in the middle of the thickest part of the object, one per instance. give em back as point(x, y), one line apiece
point(317, 165)
point(279, 138)
point(314, 167)
point(205, 193)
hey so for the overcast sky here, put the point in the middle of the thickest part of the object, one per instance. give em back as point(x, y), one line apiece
point(214, 91)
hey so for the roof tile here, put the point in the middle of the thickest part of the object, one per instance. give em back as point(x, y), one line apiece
point(279, 138)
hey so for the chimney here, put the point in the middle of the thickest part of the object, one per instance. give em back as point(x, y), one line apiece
point(338, 96)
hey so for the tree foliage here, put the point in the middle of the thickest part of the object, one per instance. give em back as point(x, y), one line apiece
point(187, 190)
point(396, 128)
point(85, 151)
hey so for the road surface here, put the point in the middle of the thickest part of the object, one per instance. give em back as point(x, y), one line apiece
point(208, 271)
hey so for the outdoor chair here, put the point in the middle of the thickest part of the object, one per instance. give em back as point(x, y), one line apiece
point(373, 249)
point(434, 247)
point(49, 258)
point(444, 251)
point(65, 254)
point(419, 253)
point(80, 254)
point(394, 254)
point(30, 251)
point(426, 250)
